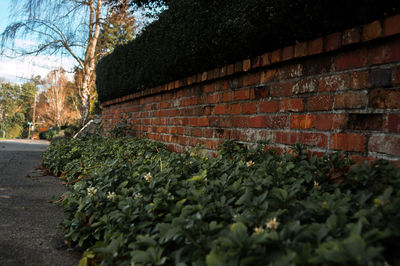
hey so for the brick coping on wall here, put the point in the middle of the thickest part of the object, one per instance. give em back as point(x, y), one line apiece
point(370, 32)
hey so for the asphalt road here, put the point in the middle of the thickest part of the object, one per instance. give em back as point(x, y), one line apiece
point(29, 224)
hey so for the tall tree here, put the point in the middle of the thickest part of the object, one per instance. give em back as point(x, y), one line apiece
point(65, 26)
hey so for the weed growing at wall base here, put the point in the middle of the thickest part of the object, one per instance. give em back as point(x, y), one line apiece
point(132, 202)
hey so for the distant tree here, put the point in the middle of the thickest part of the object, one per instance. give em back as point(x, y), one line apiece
point(65, 26)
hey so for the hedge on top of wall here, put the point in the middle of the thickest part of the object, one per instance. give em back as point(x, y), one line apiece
point(194, 36)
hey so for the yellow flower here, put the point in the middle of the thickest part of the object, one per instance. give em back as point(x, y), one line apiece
point(148, 177)
point(272, 224)
point(316, 185)
point(110, 195)
point(324, 205)
point(378, 202)
point(258, 229)
point(91, 191)
point(250, 163)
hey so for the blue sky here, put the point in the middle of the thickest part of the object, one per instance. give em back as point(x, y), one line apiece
point(19, 69)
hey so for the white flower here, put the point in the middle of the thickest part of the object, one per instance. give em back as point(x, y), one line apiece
point(110, 195)
point(250, 163)
point(258, 229)
point(316, 185)
point(148, 177)
point(272, 224)
point(91, 191)
point(76, 186)
point(138, 196)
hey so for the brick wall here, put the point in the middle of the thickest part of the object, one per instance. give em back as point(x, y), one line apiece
point(337, 92)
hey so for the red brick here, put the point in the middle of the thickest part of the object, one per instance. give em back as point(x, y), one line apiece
point(384, 99)
point(386, 53)
point(380, 78)
point(268, 107)
point(287, 137)
point(365, 121)
point(351, 59)
point(319, 103)
point(220, 109)
point(266, 59)
point(287, 53)
point(230, 69)
point(238, 66)
point(246, 65)
point(251, 79)
point(394, 123)
point(351, 100)
point(214, 98)
point(213, 144)
point(227, 96)
point(242, 94)
point(384, 144)
point(351, 36)
point(300, 49)
point(280, 89)
point(234, 109)
point(392, 25)
point(276, 56)
point(302, 121)
point(277, 121)
point(314, 139)
point(330, 121)
point(372, 31)
point(305, 86)
point(359, 80)
point(258, 121)
point(347, 142)
point(210, 87)
point(316, 46)
point(222, 71)
point(241, 122)
point(294, 105)
point(256, 62)
point(268, 76)
point(334, 82)
point(261, 92)
point(333, 41)
point(249, 108)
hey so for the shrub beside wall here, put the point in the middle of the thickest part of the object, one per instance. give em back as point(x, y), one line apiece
point(195, 36)
point(339, 92)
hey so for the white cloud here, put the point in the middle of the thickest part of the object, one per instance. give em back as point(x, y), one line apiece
point(28, 66)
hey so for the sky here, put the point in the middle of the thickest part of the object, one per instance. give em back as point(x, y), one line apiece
point(17, 70)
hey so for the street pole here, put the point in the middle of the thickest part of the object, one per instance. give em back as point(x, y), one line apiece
point(34, 113)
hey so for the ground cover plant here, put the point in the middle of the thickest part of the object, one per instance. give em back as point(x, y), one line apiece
point(132, 202)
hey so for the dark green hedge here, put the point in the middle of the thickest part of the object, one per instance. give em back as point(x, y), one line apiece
point(194, 36)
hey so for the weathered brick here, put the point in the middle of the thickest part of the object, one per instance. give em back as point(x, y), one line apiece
point(333, 41)
point(334, 82)
point(291, 105)
point(305, 86)
point(256, 62)
point(286, 137)
point(213, 98)
point(235, 83)
point(230, 69)
point(386, 53)
point(372, 31)
point(241, 121)
point(276, 56)
point(380, 78)
point(227, 96)
point(302, 121)
point(220, 109)
point(243, 94)
point(277, 121)
point(330, 121)
point(317, 65)
point(291, 71)
point(268, 76)
point(319, 103)
point(347, 142)
point(351, 36)
point(316, 46)
point(280, 89)
point(261, 92)
point(396, 75)
point(238, 66)
point(351, 59)
point(384, 144)
point(258, 121)
point(300, 49)
point(359, 80)
point(394, 123)
point(251, 79)
point(314, 139)
point(287, 53)
point(266, 59)
point(365, 122)
point(249, 108)
point(384, 99)
point(351, 100)
point(234, 109)
point(392, 25)
point(268, 107)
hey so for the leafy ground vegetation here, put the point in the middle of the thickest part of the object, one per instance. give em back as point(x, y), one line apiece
point(132, 202)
